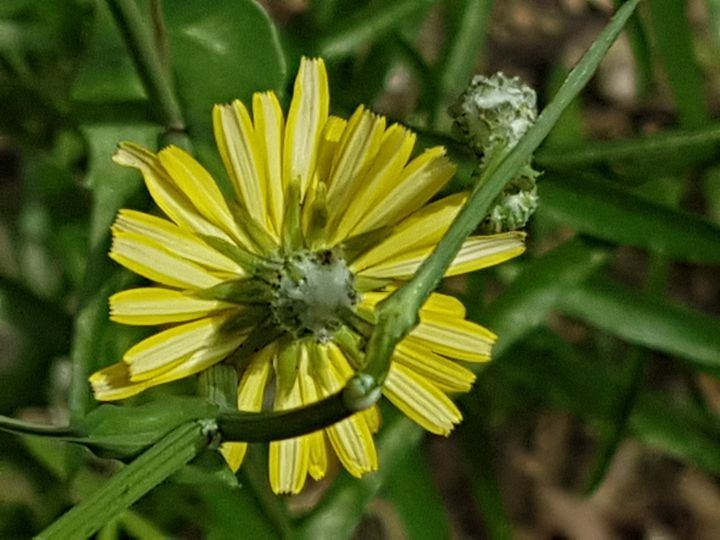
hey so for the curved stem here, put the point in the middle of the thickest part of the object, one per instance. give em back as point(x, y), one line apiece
point(155, 78)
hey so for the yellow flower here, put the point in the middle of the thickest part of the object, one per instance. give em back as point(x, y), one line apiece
point(327, 217)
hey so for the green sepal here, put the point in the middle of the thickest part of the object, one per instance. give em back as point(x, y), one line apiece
point(250, 262)
point(318, 213)
point(238, 291)
point(356, 245)
point(351, 345)
point(292, 237)
point(245, 318)
point(286, 367)
point(261, 336)
point(364, 284)
point(259, 236)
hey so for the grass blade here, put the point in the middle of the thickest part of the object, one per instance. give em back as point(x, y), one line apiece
point(605, 210)
point(647, 320)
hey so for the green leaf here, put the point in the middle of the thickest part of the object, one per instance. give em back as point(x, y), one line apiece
point(220, 54)
point(233, 513)
point(113, 186)
point(647, 320)
point(674, 42)
point(106, 72)
point(607, 211)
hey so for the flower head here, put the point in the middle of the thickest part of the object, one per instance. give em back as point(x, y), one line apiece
point(328, 216)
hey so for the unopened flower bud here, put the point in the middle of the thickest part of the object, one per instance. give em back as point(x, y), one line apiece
point(494, 111)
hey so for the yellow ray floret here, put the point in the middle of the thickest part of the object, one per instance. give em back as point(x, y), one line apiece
point(150, 306)
point(166, 194)
point(154, 261)
point(181, 242)
point(476, 253)
point(421, 400)
point(306, 120)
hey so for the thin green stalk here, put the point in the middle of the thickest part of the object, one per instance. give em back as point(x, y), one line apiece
point(155, 77)
point(130, 483)
point(398, 314)
point(668, 145)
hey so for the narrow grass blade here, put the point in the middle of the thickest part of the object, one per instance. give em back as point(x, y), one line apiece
point(609, 212)
point(646, 320)
point(130, 483)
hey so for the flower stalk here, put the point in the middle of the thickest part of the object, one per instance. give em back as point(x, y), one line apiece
point(155, 78)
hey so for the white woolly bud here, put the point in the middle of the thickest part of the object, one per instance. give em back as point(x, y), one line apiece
point(494, 110)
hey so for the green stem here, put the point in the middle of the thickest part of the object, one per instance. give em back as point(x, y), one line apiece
point(398, 314)
point(130, 483)
point(156, 79)
point(255, 427)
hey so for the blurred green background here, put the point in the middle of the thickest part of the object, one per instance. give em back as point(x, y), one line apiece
point(598, 417)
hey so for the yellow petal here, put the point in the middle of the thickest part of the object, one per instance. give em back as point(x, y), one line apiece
point(289, 459)
point(317, 464)
point(176, 240)
point(476, 253)
point(241, 153)
point(439, 303)
point(156, 305)
point(418, 181)
point(350, 438)
point(423, 229)
point(358, 148)
point(251, 390)
point(197, 184)
point(153, 261)
point(447, 375)
point(176, 205)
point(234, 454)
point(113, 383)
point(353, 443)
point(456, 338)
point(395, 149)
point(269, 131)
point(306, 120)
point(329, 144)
point(373, 418)
point(420, 400)
point(164, 350)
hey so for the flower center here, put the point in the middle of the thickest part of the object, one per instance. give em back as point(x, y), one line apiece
point(313, 293)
